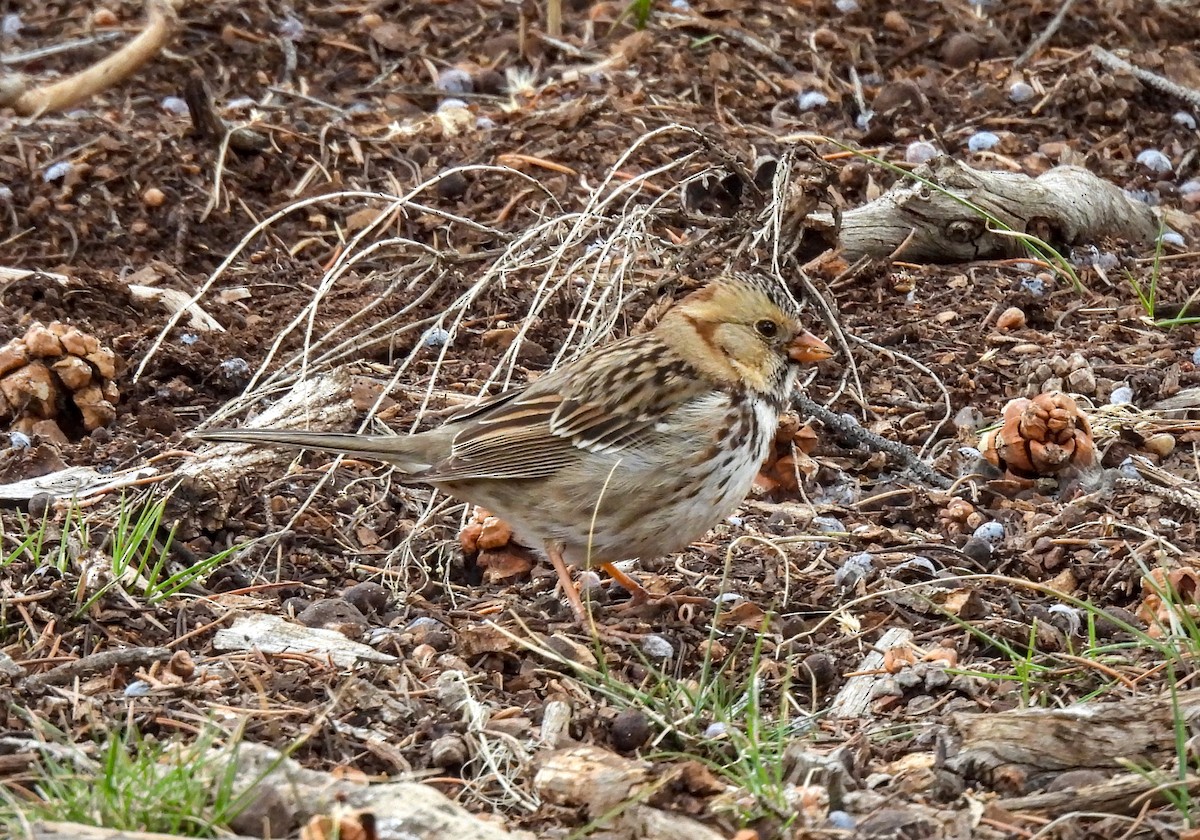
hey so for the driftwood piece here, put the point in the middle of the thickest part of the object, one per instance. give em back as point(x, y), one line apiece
point(161, 24)
point(609, 787)
point(274, 634)
point(77, 831)
point(1123, 794)
point(1085, 736)
point(400, 809)
point(1066, 205)
point(320, 402)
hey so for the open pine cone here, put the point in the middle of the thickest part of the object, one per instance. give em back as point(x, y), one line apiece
point(1040, 437)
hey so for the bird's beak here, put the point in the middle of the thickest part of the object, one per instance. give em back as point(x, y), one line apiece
point(806, 348)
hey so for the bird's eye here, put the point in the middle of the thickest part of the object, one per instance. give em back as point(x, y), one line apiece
point(766, 328)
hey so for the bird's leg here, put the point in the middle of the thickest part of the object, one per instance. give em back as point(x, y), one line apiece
point(637, 592)
point(639, 596)
point(568, 585)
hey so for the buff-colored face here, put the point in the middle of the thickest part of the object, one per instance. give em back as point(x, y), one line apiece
point(743, 330)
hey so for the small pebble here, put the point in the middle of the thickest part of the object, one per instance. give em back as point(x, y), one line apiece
point(1128, 468)
point(854, 568)
point(969, 452)
point(1196, 357)
point(827, 525)
point(681, 5)
point(841, 821)
point(810, 100)
point(11, 25)
point(455, 80)
point(990, 532)
point(234, 368)
point(629, 730)
point(104, 17)
point(240, 103)
point(863, 121)
point(1021, 92)
point(1121, 395)
point(1012, 318)
point(153, 197)
point(715, 730)
point(57, 171)
point(19, 440)
point(188, 339)
point(1155, 161)
point(1161, 444)
point(969, 417)
point(1190, 187)
point(980, 551)
point(1170, 237)
point(736, 521)
point(1071, 614)
point(435, 337)
point(137, 688)
point(483, 123)
point(1184, 119)
point(448, 104)
point(919, 562)
point(1035, 286)
point(174, 105)
point(920, 151)
point(847, 7)
point(982, 141)
point(291, 28)
point(728, 597)
point(657, 647)
point(6, 194)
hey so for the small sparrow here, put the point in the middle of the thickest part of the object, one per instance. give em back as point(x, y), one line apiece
point(634, 449)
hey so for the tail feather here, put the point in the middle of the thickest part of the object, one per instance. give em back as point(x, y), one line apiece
point(397, 450)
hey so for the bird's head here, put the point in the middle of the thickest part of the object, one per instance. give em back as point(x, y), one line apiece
point(743, 329)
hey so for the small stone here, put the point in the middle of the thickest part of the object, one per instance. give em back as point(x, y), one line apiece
point(1155, 161)
point(893, 21)
point(455, 80)
point(449, 751)
point(818, 669)
point(657, 647)
point(1121, 395)
point(855, 568)
point(435, 337)
point(1082, 381)
point(1019, 92)
point(982, 141)
point(453, 186)
point(629, 730)
point(1012, 318)
point(1033, 285)
point(961, 49)
point(827, 525)
point(334, 614)
point(810, 100)
point(1161, 444)
point(367, 597)
point(990, 532)
point(920, 151)
point(1183, 118)
point(104, 17)
point(153, 197)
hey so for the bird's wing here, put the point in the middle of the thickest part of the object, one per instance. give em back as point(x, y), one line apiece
point(604, 401)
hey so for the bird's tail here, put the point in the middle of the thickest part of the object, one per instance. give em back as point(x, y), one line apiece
point(397, 450)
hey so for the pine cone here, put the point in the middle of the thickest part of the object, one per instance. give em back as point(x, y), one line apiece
point(1040, 437)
